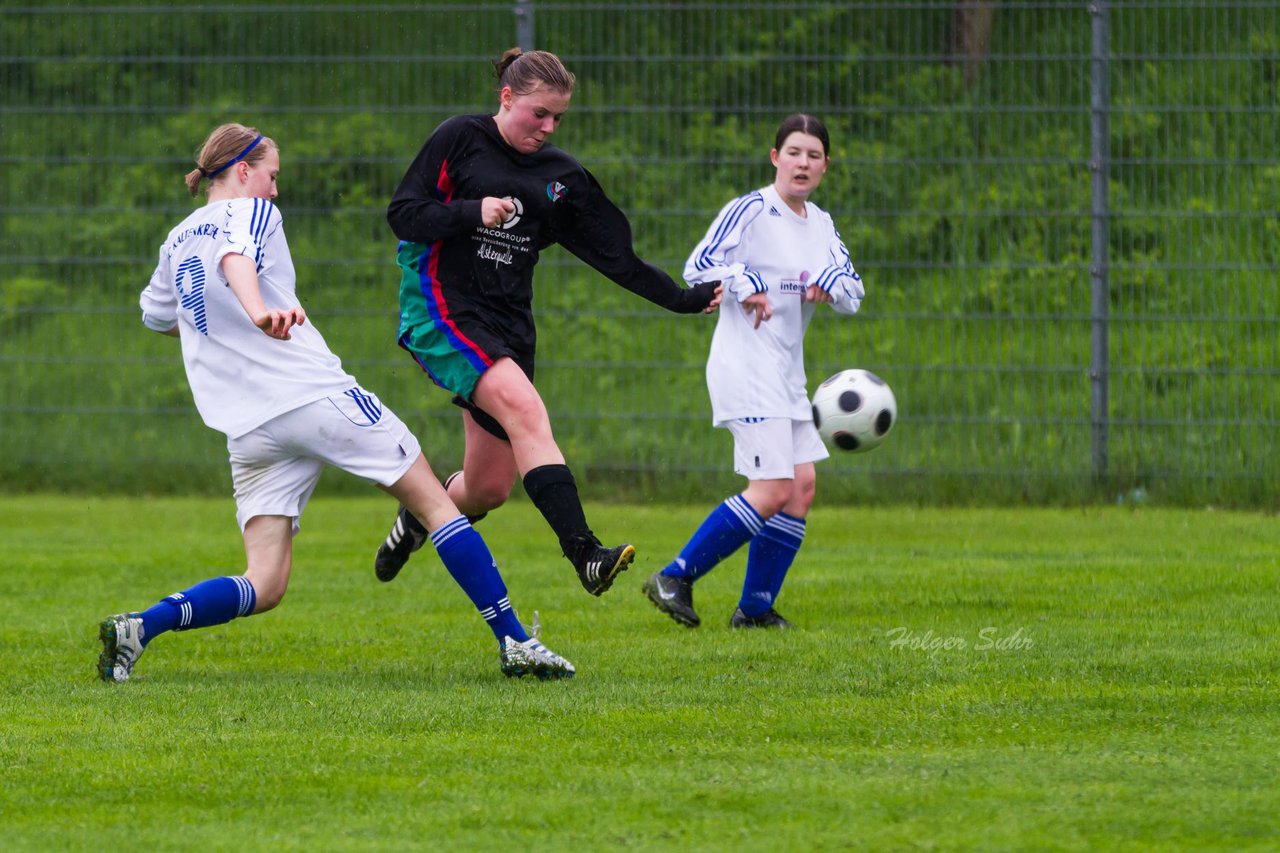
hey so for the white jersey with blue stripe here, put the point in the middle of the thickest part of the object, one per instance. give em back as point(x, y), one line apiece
point(240, 377)
point(759, 245)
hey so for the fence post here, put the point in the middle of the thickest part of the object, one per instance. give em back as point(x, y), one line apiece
point(524, 24)
point(1099, 167)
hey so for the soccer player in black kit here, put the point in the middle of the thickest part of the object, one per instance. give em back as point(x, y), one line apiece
point(484, 196)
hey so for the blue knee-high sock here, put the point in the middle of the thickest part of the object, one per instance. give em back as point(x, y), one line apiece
point(468, 560)
point(771, 553)
point(722, 533)
point(210, 602)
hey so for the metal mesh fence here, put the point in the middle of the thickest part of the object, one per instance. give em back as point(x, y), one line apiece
point(1066, 215)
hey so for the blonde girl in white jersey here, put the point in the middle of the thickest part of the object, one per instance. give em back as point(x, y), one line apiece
point(263, 375)
point(780, 258)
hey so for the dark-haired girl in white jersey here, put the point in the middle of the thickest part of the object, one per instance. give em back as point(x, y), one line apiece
point(780, 257)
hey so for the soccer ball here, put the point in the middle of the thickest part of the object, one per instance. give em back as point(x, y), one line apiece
point(854, 410)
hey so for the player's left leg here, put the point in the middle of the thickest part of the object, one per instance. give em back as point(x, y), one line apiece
point(771, 554)
point(469, 562)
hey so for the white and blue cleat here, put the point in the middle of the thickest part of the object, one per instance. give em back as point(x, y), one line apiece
point(121, 637)
point(531, 657)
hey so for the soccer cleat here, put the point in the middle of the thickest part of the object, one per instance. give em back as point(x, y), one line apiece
point(121, 637)
point(597, 565)
point(769, 619)
point(523, 658)
point(674, 597)
point(407, 535)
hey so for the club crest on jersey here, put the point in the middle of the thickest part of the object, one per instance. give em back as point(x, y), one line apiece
point(556, 191)
point(510, 221)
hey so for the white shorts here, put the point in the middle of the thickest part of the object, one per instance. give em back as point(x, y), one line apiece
point(276, 467)
point(771, 448)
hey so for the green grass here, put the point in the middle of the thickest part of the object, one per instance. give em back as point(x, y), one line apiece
point(1134, 710)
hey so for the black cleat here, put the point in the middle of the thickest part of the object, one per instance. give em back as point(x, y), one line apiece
point(597, 565)
point(407, 535)
point(674, 597)
point(769, 619)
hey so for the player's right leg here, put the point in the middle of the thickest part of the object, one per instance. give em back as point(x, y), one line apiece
point(725, 529)
point(353, 431)
point(454, 358)
point(762, 454)
point(506, 393)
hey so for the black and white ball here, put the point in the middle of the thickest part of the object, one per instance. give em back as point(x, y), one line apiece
point(854, 410)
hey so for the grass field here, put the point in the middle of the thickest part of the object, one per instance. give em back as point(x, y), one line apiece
point(961, 679)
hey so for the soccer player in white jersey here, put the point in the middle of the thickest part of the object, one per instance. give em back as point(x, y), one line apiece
point(263, 375)
point(780, 257)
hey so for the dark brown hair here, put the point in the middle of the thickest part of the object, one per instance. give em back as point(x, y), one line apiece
point(227, 142)
point(524, 72)
point(803, 123)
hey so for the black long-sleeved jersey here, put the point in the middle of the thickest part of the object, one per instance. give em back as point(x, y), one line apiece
point(486, 274)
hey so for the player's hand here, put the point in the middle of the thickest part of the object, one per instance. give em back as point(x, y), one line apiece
point(715, 300)
point(276, 323)
point(758, 304)
point(701, 298)
point(495, 211)
point(813, 293)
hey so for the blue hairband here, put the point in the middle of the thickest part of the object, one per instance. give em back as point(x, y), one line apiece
point(235, 159)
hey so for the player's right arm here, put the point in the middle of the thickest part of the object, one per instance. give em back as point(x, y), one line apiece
point(242, 277)
point(424, 208)
point(250, 223)
point(715, 257)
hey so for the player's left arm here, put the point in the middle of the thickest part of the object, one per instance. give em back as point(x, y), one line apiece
point(598, 233)
point(838, 283)
point(159, 301)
